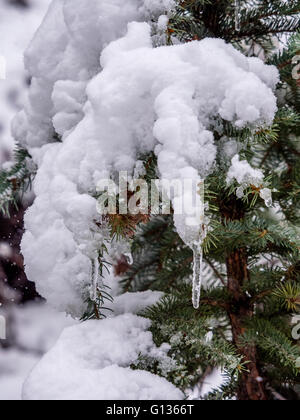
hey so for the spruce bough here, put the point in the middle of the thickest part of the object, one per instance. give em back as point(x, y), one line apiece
point(251, 254)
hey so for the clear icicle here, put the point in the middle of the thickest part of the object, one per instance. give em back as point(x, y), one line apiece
point(198, 274)
point(197, 248)
point(237, 15)
point(95, 278)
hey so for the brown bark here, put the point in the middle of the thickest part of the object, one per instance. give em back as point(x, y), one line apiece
point(251, 386)
point(12, 275)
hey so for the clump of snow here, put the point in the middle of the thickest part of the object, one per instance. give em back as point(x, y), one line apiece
point(120, 97)
point(91, 362)
point(162, 23)
point(110, 383)
point(75, 37)
point(268, 74)
point(159, 6)
point(243, 173)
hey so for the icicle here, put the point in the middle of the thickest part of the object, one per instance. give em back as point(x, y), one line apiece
point(237, 15)
point(198, 274)
point(95, 278)
point(266, 195)
point(198, 250)
point(192, 229)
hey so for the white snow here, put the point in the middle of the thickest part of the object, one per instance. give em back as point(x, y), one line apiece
point(104, 91)
point(242, 172)
point(245, 175)
point(138, 100)
point(91, 362)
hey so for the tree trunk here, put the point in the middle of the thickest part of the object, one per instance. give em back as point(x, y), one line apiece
point(251, 385)
point(12, 276)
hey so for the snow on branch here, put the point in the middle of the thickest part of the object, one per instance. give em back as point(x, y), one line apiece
point(110, 105)
point(102, 94)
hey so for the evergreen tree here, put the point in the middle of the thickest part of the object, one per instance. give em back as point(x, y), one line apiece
point(252, 267)
point(251, 254)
